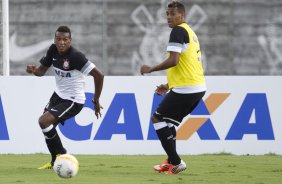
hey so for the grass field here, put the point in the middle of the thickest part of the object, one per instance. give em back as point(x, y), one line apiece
point(106, 169)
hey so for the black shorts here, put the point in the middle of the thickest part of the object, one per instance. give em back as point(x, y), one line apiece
point(175, 106)
point(62, 109)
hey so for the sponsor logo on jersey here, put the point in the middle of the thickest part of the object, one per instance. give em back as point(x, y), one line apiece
point(62, 73)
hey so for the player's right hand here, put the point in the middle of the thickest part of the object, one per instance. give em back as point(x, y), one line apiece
point(30, 68)
point(145, 69)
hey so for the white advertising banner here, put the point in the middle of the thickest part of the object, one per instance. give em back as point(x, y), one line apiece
point(238, 115)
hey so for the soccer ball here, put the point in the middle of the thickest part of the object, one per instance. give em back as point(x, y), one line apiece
point(66, 166)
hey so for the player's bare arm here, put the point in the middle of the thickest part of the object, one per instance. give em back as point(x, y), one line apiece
point(168, 63)
point(98, 82)
point(37, 71)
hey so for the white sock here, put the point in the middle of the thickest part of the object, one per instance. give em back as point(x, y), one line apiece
point(48, 128)
point(159, 125)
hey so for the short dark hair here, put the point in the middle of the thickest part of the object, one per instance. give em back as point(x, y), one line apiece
point(64, 29)
point(176, 4)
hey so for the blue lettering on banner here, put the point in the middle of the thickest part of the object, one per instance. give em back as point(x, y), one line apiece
point(3, 126)
point(257, 103)
point(124, 104)
point(152, 135)
point(76, 132)
point(131, 126)
point(207, 130)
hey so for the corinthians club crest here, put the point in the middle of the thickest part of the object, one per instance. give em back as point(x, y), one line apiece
point(66, 64)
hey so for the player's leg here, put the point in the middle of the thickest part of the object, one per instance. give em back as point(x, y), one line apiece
point(188, 103)
point(167, 141)
point(175, 164)
point(173, 131)
point(164, 166)
point(169, 113)
point(48, 124)
point(64, 110)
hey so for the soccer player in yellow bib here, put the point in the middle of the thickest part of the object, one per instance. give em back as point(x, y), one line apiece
point(185, 88)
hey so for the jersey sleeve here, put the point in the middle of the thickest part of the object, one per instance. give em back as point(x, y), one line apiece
point(47, 60)
point(178, 40)
point(82, 64)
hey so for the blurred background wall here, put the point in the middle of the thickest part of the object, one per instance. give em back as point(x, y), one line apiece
point(238, 37)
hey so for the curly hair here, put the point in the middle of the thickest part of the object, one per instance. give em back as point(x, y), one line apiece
point(64, 29)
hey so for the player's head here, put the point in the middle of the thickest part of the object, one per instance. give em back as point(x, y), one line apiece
point(63, 39)
point(175, 13)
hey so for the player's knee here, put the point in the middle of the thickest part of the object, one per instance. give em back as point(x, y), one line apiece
point(44, 121)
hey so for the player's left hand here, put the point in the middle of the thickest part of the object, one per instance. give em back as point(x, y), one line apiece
point(97, 108)
point(162, 89)
point(145, 69)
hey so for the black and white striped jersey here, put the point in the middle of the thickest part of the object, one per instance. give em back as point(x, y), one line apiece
point(70, 71)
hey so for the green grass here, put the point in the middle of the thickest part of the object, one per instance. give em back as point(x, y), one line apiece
point(106, 169)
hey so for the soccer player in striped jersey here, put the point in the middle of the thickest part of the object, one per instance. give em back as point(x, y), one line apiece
point(70, 67)
point(186, 85)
